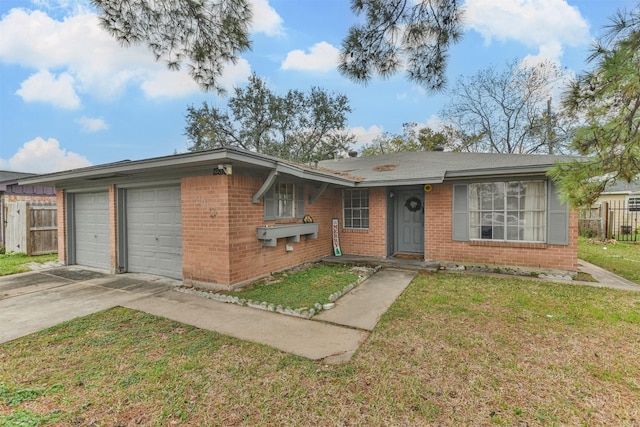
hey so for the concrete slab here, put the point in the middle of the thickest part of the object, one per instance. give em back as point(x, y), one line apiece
point(25, 283)
point(76, 274)
point(37, 305)
point(363, 307)
point(606, 279)
point(37, 300)
point(313, 340)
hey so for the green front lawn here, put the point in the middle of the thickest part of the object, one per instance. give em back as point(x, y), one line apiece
point(302, 287)
point(452, 350)
point(621, 258)
point(13, 263)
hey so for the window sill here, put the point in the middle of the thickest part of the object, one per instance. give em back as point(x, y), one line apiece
point(269, 235)
point(355, 230)
point(501, 243)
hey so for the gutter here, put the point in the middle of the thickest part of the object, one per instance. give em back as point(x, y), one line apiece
point(195, 159)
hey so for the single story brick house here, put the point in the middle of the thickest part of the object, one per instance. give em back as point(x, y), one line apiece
point(221, 218)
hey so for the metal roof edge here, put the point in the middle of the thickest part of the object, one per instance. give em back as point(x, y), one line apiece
point(400, 182)
point(511, 170)
point(201, 158)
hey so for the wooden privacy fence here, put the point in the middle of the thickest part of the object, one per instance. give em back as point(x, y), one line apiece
point(611, 220)
point(32, 228)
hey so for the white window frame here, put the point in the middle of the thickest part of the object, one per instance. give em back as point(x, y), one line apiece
point(285, 199)
point(633, 203)
point(502, 210)
point(356, 212)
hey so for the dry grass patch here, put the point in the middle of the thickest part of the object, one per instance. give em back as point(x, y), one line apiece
point(453, 350)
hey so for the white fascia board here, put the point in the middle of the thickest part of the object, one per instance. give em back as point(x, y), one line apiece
point(174, 162)
point(400, 182)
point(518, 170)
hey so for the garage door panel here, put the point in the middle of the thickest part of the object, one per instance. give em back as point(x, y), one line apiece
point(91, 222)
point(154, 231)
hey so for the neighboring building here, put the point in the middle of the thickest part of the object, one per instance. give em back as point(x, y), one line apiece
point(622, 193)
point(11, 192)
point(227, 216)
point(616, 212)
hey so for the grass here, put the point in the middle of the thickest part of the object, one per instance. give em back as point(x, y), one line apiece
point(621, 258)
point(12, 263)
point(452, 350)
point(301, 288)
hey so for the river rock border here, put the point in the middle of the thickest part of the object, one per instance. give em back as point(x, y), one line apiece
point(305, 312)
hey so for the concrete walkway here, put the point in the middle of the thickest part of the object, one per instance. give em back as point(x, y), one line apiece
point(332, 336)
point(606, 279)
point(363, 307)
point(33, 301)
point(30, 302)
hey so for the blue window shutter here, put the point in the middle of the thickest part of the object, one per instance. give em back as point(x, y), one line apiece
point(460, 212)
point(270, 205)
point(557, 217)
point(300, 202)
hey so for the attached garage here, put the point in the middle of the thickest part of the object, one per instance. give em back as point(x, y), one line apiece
point(153, 238)
point(90, 225)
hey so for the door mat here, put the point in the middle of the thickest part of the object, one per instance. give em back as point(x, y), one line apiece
point(408, 256)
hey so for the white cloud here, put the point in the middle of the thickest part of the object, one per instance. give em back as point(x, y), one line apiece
point(40, 156)
point(366, 136)
point(167, 83)
point(45, 87)
point(265, 19)
point(545, 24)
point(78, 47)
point(321, 57)
point(551, 51)
point(434, 122)
point(92, 125)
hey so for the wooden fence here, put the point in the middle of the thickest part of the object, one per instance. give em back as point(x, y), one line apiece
point(32, 228)
point(610, 220)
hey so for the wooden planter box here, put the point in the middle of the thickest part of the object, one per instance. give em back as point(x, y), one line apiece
point(291, 232)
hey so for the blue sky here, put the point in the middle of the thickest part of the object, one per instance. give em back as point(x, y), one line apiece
point(70, 96)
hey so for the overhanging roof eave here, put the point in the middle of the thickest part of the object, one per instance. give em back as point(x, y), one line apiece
point(514, 170)
point(400, 182)
point(176, 162)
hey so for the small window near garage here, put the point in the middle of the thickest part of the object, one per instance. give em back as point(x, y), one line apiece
point(633, 203)
point(356, 209)
point(508, 211)
point(285, 200)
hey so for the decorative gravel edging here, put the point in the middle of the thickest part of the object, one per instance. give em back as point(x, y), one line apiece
point(305, 313)
point(512, 271)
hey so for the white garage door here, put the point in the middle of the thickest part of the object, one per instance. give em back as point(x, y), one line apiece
point(91, 221)
point(154, 231)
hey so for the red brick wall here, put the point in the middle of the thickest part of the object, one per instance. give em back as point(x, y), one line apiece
point(440, 246)
point(371, 242)
point(219, 221)
point(205, 231)
point(62, 226)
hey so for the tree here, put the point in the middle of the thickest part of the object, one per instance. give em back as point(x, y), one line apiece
point(206, 34)
point(606, 101)
point(506, 112)
point(401, 34)
point(411, 139)
point(297, 126)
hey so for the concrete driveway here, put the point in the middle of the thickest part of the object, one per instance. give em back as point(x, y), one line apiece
point(32, 301)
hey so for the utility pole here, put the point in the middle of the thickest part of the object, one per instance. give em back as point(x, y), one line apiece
point(549, 131)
